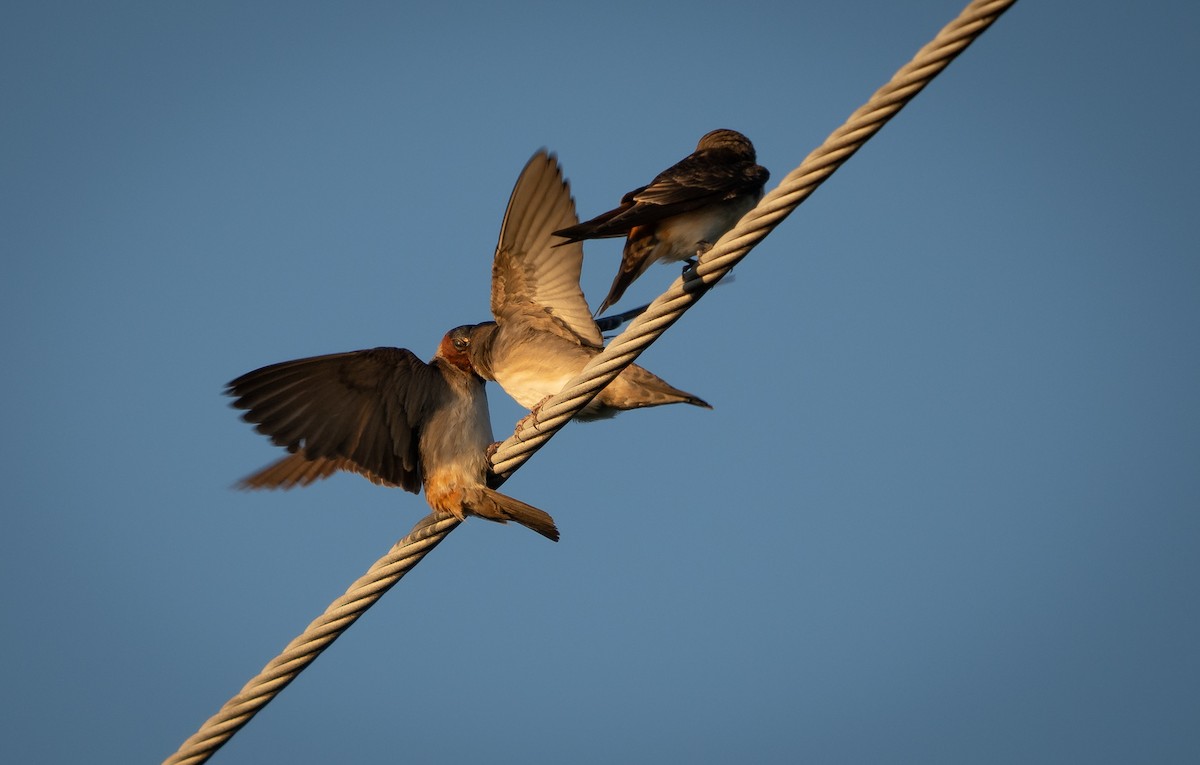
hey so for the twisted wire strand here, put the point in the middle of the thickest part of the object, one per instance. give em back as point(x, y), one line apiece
point(620, 352)
point(315, 638)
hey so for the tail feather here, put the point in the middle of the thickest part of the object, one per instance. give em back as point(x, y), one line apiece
point(635, 388)
point(639, 253)
point(494, 506)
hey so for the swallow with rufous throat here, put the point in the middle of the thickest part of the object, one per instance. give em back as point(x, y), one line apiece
point(388, 416)
point(683, 211)
point(544, 334)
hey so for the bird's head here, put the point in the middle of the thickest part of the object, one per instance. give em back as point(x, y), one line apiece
point(456, 348)
point(469, 348)
point(727, 140)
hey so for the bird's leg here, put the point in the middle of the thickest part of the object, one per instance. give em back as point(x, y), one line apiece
point(690, 263)
point(528, 419)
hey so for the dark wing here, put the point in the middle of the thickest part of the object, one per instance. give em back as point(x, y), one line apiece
point(606, 225)
point(365, 407)
point(701, 178)
point(533, 280)
point(703, 175)
point(298, 470)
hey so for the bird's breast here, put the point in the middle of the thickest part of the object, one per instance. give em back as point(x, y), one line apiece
point(455, 439)
point(680, 234)
point(533, 365)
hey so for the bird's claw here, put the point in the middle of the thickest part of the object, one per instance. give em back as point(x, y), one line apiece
point(523, 423)
point(689, 264)
point(531, 418)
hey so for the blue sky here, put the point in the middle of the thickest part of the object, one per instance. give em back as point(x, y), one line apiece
point(945, 508)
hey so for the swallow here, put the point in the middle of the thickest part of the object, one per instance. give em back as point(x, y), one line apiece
point(388, 416)
point(544, 334)
point(683, 211)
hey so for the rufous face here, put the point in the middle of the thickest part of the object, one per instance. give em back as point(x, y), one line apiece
point(455, 346)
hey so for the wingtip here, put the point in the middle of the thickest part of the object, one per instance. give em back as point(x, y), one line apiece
point(569, 235)
point(610, 300)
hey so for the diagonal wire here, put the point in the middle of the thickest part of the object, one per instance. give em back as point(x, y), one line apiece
point(315, 638)
point(557, 411)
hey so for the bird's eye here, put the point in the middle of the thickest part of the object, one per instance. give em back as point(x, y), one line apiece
point(461, 343)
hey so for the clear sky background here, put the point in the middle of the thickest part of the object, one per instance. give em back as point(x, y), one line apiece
point(946, 508)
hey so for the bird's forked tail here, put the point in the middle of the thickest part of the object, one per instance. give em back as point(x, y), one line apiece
point(494, 506)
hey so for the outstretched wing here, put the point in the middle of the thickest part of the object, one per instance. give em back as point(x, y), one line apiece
point(298, 470)
point(364, 407)
point(533, 280)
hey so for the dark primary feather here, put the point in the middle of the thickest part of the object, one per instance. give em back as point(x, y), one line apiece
point(298, 470)
point(362, 406)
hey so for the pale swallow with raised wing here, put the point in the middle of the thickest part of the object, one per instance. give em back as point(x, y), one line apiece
point(544, 334)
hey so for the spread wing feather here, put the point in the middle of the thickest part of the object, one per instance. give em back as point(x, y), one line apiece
point(533, 280)
point(358, 411)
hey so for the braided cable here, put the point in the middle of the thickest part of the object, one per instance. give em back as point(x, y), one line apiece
point(315, 638)
point(558, 410)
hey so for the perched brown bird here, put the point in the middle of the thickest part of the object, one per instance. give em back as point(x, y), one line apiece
point(386, 415)
point(683, 211)
point(544, 333)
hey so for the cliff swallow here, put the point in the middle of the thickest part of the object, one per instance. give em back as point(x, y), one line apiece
point(544, 333)
point(388, 416)
point(683, 211)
